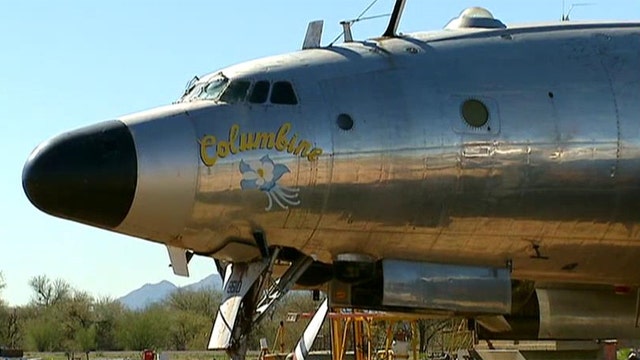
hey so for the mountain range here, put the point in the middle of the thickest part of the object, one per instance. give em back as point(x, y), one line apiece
point(151, 293)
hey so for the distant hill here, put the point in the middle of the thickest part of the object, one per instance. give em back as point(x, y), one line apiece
point(148, 294)
point(151, 293)
point(211, 282)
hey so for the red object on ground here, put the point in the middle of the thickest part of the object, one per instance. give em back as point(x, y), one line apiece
point(148, 354)
point(610, 350)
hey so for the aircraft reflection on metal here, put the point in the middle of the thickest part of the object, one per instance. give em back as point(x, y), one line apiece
point(484, 170)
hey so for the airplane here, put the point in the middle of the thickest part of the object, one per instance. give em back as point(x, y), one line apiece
point(483, 170)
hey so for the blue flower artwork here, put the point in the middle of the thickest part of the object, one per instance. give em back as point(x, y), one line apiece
point(263, 175)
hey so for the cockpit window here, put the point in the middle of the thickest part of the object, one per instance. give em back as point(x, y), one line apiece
point(190, 85)
point(260, 92)
point(213, 89)
point(282, 93)
point(192, 92)
point(205, 89)
point(220, 88)
point(235, 92)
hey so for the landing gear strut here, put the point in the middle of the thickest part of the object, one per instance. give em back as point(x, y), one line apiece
point(249, 290)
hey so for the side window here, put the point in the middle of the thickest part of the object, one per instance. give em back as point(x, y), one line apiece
point(260, 92)
point(283, 93)
point(235, 92)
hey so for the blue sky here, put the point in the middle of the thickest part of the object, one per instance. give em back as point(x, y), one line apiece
point(67, 64)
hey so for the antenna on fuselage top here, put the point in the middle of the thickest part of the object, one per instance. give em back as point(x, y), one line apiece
point(392, 28)
point(565, 16)
point(346, 25)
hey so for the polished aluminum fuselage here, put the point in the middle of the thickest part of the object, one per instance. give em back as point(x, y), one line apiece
point(550, 183)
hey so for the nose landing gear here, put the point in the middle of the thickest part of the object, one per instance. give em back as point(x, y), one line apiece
point(249, 290)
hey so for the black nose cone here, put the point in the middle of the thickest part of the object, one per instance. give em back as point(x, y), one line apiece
point(88, 175)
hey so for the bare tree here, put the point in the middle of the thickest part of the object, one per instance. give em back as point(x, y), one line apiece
point(47, 292)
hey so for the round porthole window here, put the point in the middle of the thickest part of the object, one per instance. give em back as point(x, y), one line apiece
point(475, 113)
point(345, 122)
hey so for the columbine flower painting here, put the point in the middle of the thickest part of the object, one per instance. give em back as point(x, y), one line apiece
point(263, 175)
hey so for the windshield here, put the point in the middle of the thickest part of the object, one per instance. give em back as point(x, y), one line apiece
point(207, 89)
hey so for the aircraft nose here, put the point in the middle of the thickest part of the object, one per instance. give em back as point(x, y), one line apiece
point(87, 175)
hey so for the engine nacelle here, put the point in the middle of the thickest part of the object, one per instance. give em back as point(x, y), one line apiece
point(488, 294)
point(562, 314)
point(402, 285)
